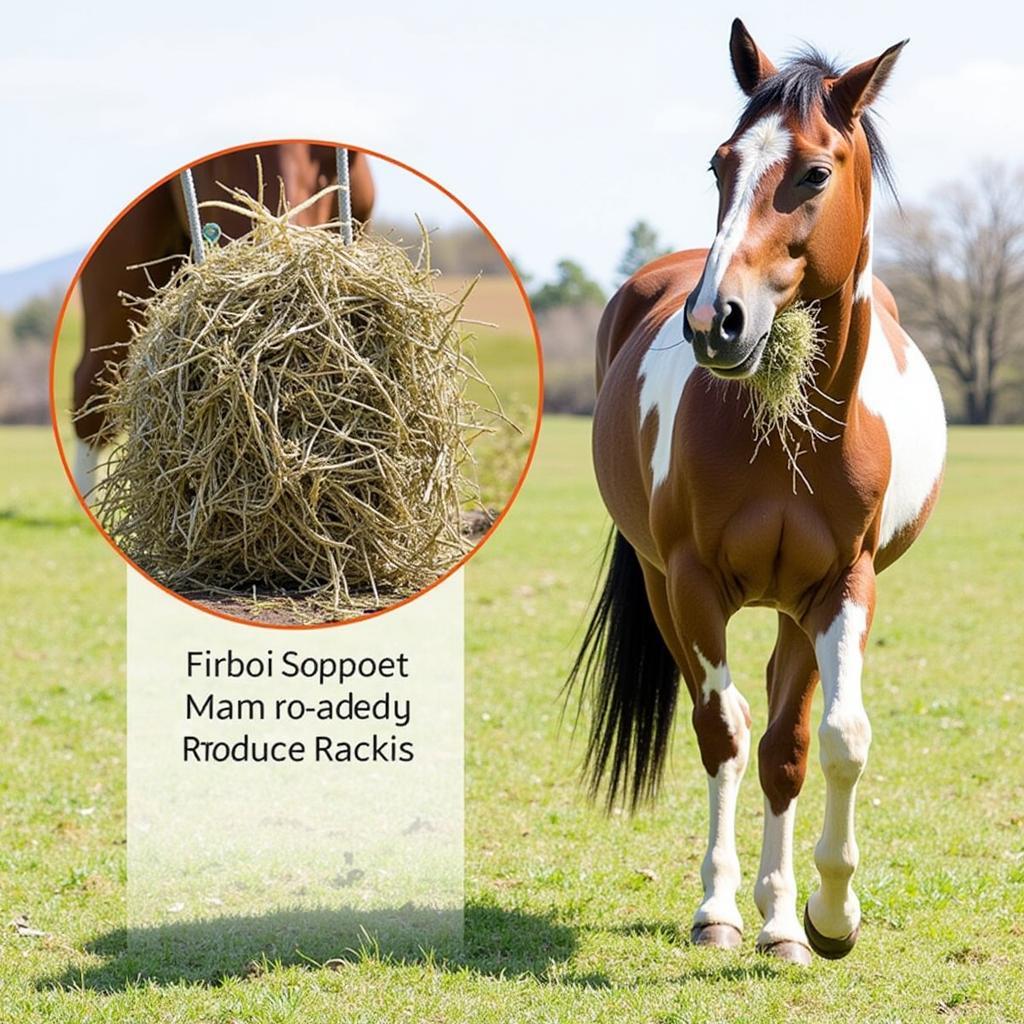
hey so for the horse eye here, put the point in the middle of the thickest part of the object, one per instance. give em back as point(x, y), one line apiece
point(816, 176)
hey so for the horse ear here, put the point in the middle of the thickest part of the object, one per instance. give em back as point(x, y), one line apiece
point(750, 65)
point(855, 91)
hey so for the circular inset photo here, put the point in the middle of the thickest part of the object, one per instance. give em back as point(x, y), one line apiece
point(296, 383)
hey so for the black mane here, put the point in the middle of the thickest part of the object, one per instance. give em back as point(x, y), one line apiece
point(798, 87)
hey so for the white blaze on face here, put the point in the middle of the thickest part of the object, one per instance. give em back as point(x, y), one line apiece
point(764, 144)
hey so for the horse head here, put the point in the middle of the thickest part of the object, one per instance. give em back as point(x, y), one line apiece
point(794, 198)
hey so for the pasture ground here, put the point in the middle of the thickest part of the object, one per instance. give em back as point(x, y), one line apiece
point(560, 923)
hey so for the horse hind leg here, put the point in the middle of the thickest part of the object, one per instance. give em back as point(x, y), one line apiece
point(782, 765)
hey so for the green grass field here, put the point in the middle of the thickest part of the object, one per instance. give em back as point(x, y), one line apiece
point(560, 924)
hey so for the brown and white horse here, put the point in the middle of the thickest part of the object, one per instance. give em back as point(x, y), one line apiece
point(156, 227)
point(703, 531)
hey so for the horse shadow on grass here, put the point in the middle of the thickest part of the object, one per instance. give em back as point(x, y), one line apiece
point(495, 942)
point(486, 940)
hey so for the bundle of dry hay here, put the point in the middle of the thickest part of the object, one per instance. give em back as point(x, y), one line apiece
point(781, 392)
point(292, 416)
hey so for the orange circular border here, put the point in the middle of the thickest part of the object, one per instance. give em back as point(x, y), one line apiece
point(476, 547)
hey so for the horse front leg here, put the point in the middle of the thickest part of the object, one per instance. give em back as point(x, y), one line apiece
point(782, 765)
point(832, 914)
point(721, 720)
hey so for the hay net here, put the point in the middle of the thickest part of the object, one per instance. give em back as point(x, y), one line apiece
point(292, 415)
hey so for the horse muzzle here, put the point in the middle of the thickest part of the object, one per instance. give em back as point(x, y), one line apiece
point(727, 339)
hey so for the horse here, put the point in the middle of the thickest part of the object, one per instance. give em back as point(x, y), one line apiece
point(706, 522)
point(156, 228)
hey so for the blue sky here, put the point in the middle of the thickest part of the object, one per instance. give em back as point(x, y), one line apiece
point(558, 124)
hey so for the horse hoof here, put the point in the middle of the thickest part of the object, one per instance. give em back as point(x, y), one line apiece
point(830, 949)
point(789, 952)
point(719, 936)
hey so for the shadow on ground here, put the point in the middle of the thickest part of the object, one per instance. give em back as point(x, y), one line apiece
point(495, 942)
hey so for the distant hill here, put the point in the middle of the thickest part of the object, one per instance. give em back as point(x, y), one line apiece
point(17, 286)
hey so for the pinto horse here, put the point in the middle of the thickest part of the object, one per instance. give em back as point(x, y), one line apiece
point(704, 526)
point(156, 228)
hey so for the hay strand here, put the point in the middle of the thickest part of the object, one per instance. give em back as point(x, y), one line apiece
point(781, 391)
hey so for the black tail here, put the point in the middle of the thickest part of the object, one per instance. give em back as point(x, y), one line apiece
point(632, 680)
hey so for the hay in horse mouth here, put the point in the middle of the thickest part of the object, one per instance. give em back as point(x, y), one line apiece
point(292, 414)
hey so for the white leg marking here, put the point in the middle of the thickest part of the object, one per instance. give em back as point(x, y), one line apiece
point(87, 458)
point(866, 280)
point(775, 889)
point(764, 144)
point(720, 870)
point(910, 406)
point(844, 735)
point(664, 371)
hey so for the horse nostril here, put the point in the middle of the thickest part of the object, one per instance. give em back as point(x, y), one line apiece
point(730, 327)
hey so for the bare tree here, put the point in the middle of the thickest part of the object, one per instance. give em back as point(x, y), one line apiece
point(957, 270)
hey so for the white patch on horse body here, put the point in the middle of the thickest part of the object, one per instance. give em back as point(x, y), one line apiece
point(87, 458)
point(910, 406)
point(844, 727)
point(865, 280)
point(717, 679)
point(844, 738)
point(764, 144)
point(775, 888)
point(664, 371)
